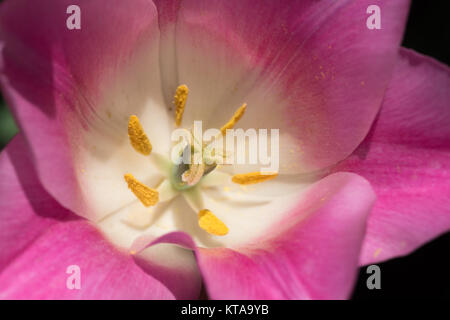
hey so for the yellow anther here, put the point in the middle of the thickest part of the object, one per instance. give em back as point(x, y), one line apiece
point(148, 196)
point(237, 115)
point(138, 138)
point(252, 177)
point(180, 102)
point(211, 224)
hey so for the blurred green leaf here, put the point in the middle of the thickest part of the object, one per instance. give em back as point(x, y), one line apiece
point(8, 126)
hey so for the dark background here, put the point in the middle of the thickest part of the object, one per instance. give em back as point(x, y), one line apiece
point(426, 272)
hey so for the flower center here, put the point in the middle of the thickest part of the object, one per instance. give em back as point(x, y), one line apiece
point(195, 162)
point(187, 175)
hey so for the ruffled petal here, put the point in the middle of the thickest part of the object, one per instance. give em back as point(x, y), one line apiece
point(406, 157)
point(27, 212)
point(49, 268)
point(173, 265)
point(311, 254)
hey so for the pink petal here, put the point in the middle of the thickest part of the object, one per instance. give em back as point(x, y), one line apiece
point(105, 272)
point(406, 157)
point(26, 209)
point(311, 68)
point(180, 277)
point(54, 79)
point(312, 254)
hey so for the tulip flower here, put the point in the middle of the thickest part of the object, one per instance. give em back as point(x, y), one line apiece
point(364, 161)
